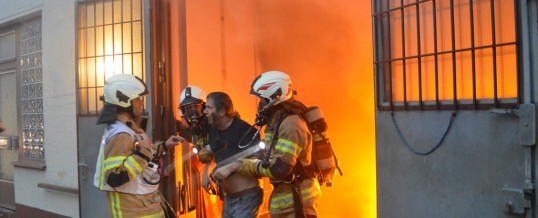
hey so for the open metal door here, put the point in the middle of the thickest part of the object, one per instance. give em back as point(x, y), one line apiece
point(112, 38)
point(182, 187)
point(163, 116)
point(89, 139)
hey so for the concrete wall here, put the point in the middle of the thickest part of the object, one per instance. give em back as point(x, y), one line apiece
point(59, 102)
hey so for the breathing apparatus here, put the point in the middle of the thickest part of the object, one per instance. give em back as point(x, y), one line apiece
point(261, 120)
point(191, 107)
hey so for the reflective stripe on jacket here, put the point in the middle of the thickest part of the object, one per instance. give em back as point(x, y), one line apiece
point(118, 164)
point(134, 165)
point(293, 146)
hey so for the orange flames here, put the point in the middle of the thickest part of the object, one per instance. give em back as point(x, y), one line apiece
point(326, 48)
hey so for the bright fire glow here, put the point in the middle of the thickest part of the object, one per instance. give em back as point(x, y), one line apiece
point(326, 48)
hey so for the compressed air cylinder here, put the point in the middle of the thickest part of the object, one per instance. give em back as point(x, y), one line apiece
point(322, 152)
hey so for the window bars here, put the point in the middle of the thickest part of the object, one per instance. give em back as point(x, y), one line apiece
point(110, 42)
point(445, 54)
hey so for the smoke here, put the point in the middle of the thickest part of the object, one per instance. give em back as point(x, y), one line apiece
point(326, 48)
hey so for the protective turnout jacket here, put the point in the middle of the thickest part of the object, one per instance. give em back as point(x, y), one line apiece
point(293, 146)
point(120, 169)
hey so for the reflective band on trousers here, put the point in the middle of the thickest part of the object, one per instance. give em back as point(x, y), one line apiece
point(287, 199)
point(115, 206)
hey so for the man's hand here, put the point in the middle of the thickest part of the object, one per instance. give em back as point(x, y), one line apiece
point(225, 171)
point(173, 141)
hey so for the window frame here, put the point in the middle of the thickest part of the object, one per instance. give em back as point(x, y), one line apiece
point(14, 64)
point(143, 52)
point(382, 65)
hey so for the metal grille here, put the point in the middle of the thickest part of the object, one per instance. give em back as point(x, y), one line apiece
point(110, 41)
point(445, 54)
point(33, 130)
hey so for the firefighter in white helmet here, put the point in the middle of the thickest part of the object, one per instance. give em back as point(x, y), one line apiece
point(126, 166)
point(191, 107)
point(287, 163)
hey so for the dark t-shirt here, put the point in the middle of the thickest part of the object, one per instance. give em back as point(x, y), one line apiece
point(225, 143)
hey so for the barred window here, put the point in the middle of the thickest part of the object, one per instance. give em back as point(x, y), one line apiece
point(110, 42)
point(445, 54)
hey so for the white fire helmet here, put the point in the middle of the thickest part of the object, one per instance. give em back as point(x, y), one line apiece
point(191, 102)
point(191, 95)
point(122, 88)
point(268, 84)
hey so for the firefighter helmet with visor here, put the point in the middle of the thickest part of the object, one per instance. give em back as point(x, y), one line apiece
point(191, 102)
point(274, 86)
point(121, 89)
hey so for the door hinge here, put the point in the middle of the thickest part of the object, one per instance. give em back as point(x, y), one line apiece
point(527, 122)
point(527, 125)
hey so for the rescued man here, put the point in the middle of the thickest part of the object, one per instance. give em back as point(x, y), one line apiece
point(229, 136)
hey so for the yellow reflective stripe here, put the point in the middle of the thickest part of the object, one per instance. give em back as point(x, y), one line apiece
point(266, 172)
point(288, 147)
point(321, 136)
point(160, 214)
point(131, 171)
point(108, 167)
point(200, 142)
point(287, 200)
point(99, 170)
point(115, 204)
point(132, 166)
point(113, 162)
point(132, 160)
point(116, 158)
point(268, 137)
point(318, 138)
